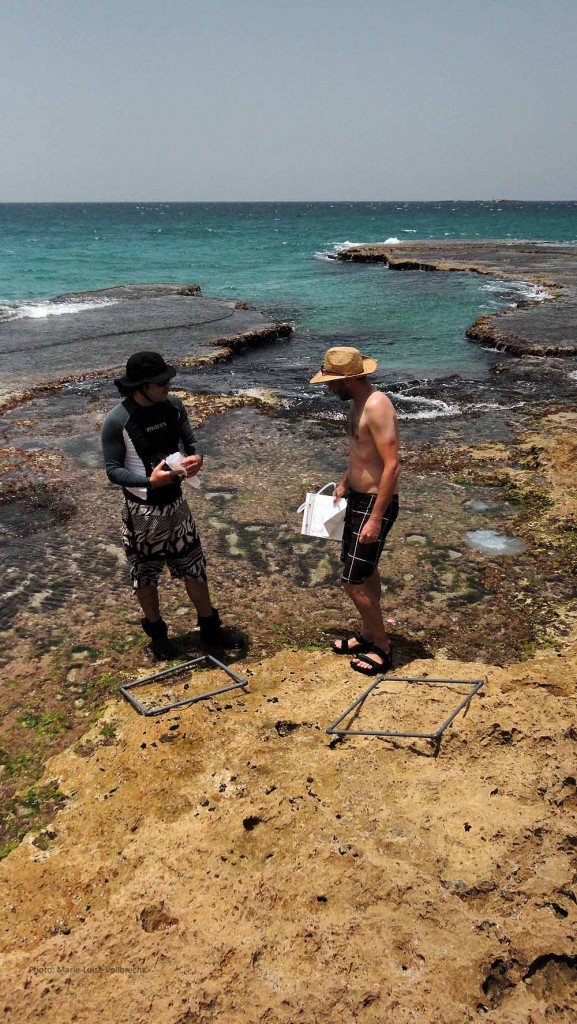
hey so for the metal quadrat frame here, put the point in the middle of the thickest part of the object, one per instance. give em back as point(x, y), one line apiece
point(435, 736)
point(239, 682)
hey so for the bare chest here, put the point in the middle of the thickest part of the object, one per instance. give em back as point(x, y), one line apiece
point(357, 429)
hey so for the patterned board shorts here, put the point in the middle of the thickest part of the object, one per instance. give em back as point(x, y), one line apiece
point(361, 560)
point(154, 536)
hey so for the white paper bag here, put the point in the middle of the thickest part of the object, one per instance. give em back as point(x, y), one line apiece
point(323, 517)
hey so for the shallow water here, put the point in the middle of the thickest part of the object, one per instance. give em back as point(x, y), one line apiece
point(492, 543)
point(274, 256)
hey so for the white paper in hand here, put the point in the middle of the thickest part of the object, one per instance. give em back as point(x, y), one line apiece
point(174, 461)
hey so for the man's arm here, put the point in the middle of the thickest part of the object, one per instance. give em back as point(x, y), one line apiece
point(192, 462)
point(381, 420)
point(342, 486)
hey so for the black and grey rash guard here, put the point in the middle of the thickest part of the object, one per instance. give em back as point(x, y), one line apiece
point(136, 438)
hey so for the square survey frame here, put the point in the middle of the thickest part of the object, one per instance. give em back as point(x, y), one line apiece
point(475, 685)
point(177, 670)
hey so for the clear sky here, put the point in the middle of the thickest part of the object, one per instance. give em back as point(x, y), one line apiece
point(288, 99)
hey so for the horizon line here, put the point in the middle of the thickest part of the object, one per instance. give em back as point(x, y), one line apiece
point(254, 202)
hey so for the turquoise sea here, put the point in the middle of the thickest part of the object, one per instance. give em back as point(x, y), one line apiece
point(274, 256)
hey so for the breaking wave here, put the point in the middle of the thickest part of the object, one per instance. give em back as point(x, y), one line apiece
point(436, 408)
point(44, 308)
point(515, 292)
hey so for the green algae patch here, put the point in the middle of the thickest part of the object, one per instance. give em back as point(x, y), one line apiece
point(13, 765)
point(51, 724)
point(31, 809)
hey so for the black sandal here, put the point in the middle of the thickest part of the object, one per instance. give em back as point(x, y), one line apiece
point(372, 667)
point(360, 644)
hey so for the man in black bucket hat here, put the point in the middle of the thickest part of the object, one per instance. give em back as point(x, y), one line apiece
point(158, 528)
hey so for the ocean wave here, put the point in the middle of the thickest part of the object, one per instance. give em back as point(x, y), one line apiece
point(436, 408)
point(393, 240)
point(337, 246)
point(514, 292)
point(572, 375)
point(347, 245)
point(40, 310)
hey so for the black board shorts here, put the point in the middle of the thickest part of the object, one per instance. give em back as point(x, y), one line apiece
point(361, 560)
point(154, 536)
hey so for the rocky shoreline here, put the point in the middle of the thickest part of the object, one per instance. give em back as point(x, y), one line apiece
point(230, 859)
point(544, 328)
point(174, 318)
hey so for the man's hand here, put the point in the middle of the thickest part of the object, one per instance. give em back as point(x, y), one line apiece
point(160, 476)
point(192, 464)
point(371, 531)
point(339, 492)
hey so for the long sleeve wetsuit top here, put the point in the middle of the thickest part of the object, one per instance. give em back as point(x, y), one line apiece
point(135, 438)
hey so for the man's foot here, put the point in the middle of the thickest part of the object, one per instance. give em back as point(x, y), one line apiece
point(373, 661)
point(352, 644)
point(214, 634)
point(159, 642)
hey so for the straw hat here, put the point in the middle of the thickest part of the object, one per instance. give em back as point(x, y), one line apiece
point(341, 363)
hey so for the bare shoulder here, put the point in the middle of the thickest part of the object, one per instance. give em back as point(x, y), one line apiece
point(379, 407)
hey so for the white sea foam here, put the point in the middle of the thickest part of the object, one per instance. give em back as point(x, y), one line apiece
point(337, 246)
point(517, 291)
point(572, 375)
point(40, 310)
point(434, 408)
point(358, 245)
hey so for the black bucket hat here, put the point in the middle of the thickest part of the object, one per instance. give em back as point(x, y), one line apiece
point(145, 368)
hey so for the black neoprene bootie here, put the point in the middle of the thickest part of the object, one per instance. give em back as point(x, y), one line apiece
point(159, 642)
point(214, 634)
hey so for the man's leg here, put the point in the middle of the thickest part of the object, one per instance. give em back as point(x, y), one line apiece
point(350, 645)
point(366, 599)
point(197, 590)
point(153, 625)
point(145, 572)
point(148, 601)
point(212, 632)
point(365, 591)
point(374, 585)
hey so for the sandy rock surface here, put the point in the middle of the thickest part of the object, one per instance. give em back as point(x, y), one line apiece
point(231, 861)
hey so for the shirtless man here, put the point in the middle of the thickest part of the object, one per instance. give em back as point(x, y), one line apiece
point(370, 485)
